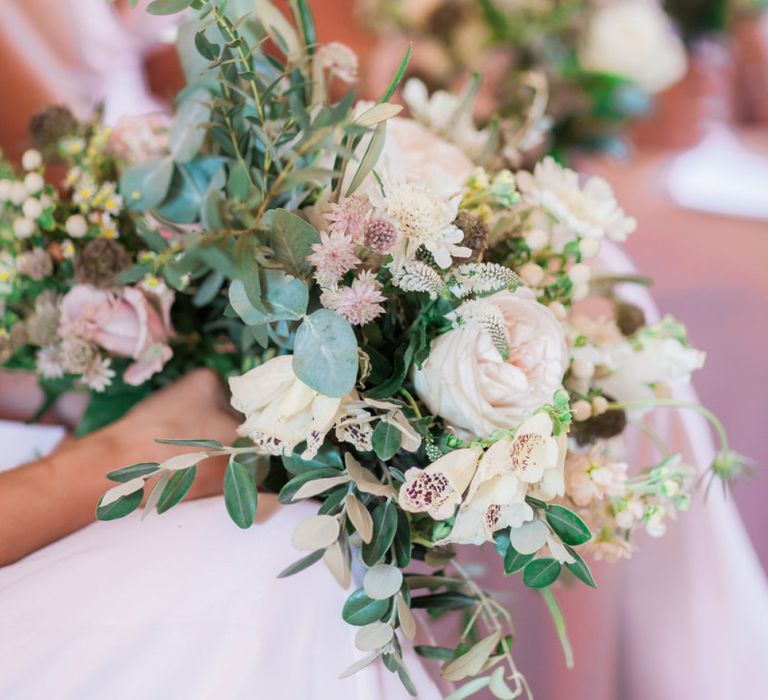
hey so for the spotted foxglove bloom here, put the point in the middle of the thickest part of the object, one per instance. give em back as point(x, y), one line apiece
point(437, 490)
point(280, 410)
point(589, 211)
point(469, 383)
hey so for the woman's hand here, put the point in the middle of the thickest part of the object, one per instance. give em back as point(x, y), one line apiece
point(45, 500)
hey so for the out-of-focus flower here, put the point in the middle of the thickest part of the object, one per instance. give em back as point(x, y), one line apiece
point(49, 362)
point(123, 322)
point(468, 382)
point(594, 476)
point(99, 374)
point(590, 211)
point(139, 138)
point(634, 39)
point(36, 264)
point(339, 60)
point(100, 262)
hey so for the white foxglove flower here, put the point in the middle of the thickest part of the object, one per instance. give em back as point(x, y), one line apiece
point(437, 490)
point(280, 410)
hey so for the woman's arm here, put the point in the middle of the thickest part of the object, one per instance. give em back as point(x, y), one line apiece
point(46, 500)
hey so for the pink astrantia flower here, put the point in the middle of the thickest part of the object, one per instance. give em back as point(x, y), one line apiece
point(349, 217)
point(333, 257)
point(360, 303)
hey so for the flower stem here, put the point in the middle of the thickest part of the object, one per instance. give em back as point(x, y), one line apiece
point(557, 618)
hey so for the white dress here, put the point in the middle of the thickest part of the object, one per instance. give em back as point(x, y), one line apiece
point(180, 606)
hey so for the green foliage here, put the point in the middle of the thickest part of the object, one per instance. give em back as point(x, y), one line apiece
point(240, 495)
point(541, 573)
point(386, 440)
point(135, 470)
point(570, 527)
point(360, 610)
point(176, 488)
point(384, 529)
point(121, 507)
point(289, 490)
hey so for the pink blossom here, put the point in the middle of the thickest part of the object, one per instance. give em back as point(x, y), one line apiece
point(124, 322)
point(360, 303)
point(349, 217)
point(333, 257)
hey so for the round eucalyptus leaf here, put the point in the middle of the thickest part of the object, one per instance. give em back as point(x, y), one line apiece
point(325, 354)
point(361, 610)
point(382, 581)
point(373, 636)
point(316, 532)
point(529, 537)
point(145, 185)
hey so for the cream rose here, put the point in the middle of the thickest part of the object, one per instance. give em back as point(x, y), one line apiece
point(467, 381)
point(635, 39)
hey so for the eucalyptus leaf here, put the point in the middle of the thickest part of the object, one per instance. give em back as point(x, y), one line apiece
point(382, 581)
point(370, 158)
point(514, 560)
point(291, 239)
point(373, 636)
point(386, 440)
point(202, 444)
point(580, 569)
point(290, 489)
point(187, 132)
point(167, 7)
point(325, 354)
point(121, 507)
point(316, 532)
point(144, 185)
point(135, 470)
point(471, 662)
point(301, 564)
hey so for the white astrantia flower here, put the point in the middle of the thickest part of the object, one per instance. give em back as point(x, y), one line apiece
point(423, 218)
point(438, 488)
point(280, 410)
point(589, 211)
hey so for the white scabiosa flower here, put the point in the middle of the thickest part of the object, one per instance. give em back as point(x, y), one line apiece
point(589, 211)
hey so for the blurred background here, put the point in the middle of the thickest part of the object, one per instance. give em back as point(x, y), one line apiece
point(693, 167)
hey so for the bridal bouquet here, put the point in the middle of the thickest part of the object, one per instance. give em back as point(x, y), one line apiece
point(78, 303)
point(594, 66)
point(418, 353)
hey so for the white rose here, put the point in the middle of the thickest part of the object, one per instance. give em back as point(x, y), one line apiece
point(467, 382)
point(634, 39)
point(280, 410)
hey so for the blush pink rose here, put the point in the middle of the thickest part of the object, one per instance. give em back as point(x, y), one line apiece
point(129, 322)
point(466, 381)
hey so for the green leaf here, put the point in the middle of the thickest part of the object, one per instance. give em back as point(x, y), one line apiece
point(206, 47)
point(167, 7)
point(360, 610)
point(370, 157)
point(128, 473)
point(289, 490)
point(469, 688)
point(238, 181)
point(386, 440)
point(203, 444)
point(144, 186)
point(187, 131)
point(121, 507)
point(301, 564)
point(209, 289)
point(307, 24)
point(325, 354)
point(569, 526)
point(327, 456)
point(240, 495)
point(541, 573)
point(402, 544)
point(397, 77)
point(176, 489)
point(384, 528)
point(109, 406)
point(450, 600)
point(285, 298)
point(291, 239)
point(514, 561)
point(190, 185)
point(580, 569)
point(435, 653)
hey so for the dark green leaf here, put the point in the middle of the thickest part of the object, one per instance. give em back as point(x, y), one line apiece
point(289, 490)
point(176, 489)
point(384, 528)
point(291, 239)
point(327, 456)
point(397, 77)
point(436, 653)
point(450, 600)
point(361, 610)
point(121, 507)
point(238, 181)
point(301, 564)
point(541, 573)
point(580, 569)
point(240, 495)
point(204, 444)
point(128, 473)
point(402, 544)
point(569, 526)
point(386, 440)
point(514, 561)
point(325, 354)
